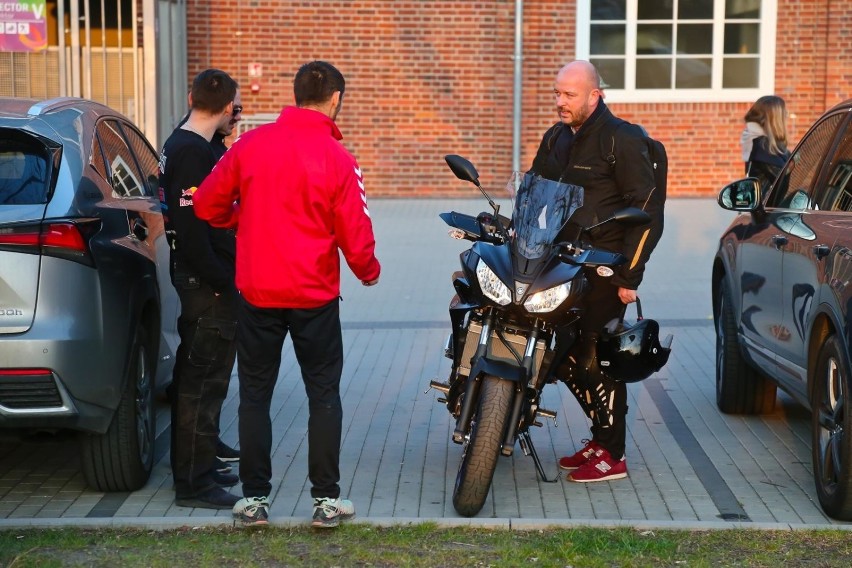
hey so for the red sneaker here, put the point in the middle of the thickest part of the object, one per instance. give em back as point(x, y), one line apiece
point(582, 456)
point(600, 467)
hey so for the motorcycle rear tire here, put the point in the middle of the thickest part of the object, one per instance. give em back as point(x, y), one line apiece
point(482, 449)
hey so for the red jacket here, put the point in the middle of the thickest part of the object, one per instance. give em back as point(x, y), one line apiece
point(301, 197)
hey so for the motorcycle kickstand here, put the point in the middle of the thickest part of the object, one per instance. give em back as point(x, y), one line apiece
point(529, 450)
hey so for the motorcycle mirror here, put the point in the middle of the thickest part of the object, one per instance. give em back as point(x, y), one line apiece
point(630, 216)
point(465, 171)
point(462, 168)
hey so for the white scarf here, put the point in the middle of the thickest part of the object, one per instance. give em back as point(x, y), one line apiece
point(751, 132)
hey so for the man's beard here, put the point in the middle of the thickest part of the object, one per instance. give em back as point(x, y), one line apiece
point(580, 117)
point(577, 118)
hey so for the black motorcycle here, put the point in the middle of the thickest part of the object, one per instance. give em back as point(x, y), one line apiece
point(516, 286)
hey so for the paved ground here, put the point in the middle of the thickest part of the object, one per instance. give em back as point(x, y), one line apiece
point(689, 465)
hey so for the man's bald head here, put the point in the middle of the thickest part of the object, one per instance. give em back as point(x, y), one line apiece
point(581, 72)
point(578, 92)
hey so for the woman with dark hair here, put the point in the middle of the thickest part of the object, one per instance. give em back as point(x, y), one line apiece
point(764, 139)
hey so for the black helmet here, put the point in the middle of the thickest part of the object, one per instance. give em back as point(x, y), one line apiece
point(632, 353)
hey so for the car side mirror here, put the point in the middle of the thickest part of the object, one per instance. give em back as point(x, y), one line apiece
point(741, 195)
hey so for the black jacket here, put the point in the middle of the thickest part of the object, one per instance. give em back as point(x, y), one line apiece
point(764, 165)
point(579, 159)
point(201, 253)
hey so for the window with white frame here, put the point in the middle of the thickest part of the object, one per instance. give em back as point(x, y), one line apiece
point(680, 50)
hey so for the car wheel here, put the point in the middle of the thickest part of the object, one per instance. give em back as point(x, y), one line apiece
point(832, 431)
point(121, 459)
point(740, 389)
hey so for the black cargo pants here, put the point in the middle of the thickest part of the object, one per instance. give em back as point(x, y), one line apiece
point(204, 362)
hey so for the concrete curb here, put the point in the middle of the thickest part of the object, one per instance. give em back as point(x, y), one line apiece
point(173, 523)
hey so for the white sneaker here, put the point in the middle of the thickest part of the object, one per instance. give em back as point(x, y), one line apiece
point(329, 512)
point(252, 511)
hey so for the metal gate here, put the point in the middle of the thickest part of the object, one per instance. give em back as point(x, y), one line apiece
point(127, 54)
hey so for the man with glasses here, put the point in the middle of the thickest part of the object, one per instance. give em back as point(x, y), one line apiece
point(202, 271)
point(224, 452)
point(222, 133)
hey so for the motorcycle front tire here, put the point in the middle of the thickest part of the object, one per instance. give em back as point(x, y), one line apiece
point(482, 448)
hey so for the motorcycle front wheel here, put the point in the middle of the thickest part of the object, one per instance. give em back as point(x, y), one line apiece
point(482, 448)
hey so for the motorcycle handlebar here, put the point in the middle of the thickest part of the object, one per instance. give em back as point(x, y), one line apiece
point(573, 253)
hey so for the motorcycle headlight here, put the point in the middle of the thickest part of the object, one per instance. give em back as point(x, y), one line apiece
point(548, 300)
point(491, 285)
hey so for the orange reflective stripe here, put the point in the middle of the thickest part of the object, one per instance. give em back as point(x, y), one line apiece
point(639, 249)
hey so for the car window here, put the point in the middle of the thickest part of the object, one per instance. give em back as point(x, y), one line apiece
point(792, 190)
point(836, 193)
point(146, 158)
point(24, 172)
point(122, 173)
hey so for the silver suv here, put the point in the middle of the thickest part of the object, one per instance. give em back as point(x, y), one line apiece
point(87, 309)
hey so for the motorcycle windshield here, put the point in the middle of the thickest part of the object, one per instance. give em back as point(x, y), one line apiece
point(542, 207)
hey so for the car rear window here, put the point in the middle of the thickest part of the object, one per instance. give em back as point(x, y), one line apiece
point(24, 173)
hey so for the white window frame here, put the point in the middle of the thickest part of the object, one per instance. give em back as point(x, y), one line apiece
point(124, 179)
point(630, 94)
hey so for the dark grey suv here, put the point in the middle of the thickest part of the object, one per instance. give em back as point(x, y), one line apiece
point(87, 310)
point(782, 294)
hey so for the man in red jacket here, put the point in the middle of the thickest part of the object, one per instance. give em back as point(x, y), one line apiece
point(298, 196)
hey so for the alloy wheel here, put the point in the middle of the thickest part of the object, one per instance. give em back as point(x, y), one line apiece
point(832, 407)
point(143, 406)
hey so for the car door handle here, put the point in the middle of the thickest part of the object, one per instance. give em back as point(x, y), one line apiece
point(821, 251)
point(139, 229)
point(779, 241)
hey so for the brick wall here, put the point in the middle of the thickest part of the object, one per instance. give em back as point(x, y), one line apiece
point(431, 77)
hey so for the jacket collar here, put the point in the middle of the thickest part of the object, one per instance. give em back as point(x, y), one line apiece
point(599, 116)
point(308, 118)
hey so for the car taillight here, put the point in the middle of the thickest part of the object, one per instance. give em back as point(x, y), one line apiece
point(63, 235)
point(43, 373)
point(63, 239)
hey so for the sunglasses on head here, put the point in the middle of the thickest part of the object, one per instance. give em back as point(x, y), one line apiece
point(237, 110)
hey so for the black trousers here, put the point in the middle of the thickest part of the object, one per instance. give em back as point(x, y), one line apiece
point(204, 362)
point(318, 345)
point(603, 400)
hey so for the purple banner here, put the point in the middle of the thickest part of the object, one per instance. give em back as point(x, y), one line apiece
point(23, 25)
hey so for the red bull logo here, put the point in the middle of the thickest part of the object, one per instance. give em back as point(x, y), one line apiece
point(186, 197)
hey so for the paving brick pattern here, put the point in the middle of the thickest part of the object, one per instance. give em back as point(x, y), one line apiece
point(688, 464)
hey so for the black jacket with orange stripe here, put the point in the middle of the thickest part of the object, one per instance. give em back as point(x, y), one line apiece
point(577, 158)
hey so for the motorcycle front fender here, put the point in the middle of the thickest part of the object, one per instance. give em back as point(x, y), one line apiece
point(500, 369)
point(483, 366)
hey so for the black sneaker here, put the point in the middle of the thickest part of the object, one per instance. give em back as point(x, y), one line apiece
point(221, 466)
point(252, 511)
point(224, 479)
point(226, 453)
point(216, 498)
